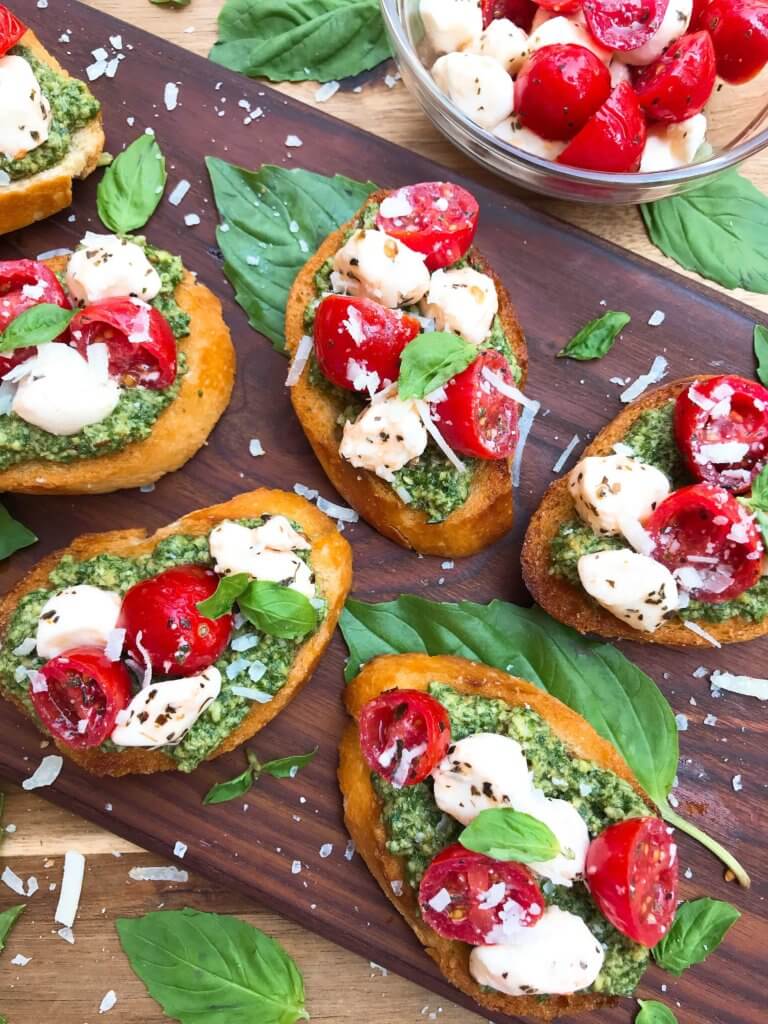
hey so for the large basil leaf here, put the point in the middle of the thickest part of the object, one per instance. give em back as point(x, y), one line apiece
point(275, 219)
point(210, 969)
point(698, 929)
point(296, 40)
point(506, 834)
point(718, 230)
point(430, 360)
point(8, 919)
point(761, 353)
point(35, 326)
point(596, 338)
point(653, 1012)
point(278, 610)
point(13, 534)
point(132, 186)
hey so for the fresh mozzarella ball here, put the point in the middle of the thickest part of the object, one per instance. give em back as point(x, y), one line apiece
point(264, 552)
point(610, 489)
point(25, 113)
point(451, 24)
point(386, 436)
point(674, 24)
point(673, 145)
point(513, 132)
point(481, 771)
point(619, 73)
point(80, 616)
point(462, 301)
point(479, 86)
point(374, 265)
point(163, 713)
point(570, 830)
point(635, 588)
point(557, 956)
point(62, 392)
point(106, 266)
point(566, 30)
point(506, 42)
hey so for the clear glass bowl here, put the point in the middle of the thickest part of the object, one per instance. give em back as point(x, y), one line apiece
point(737, 116)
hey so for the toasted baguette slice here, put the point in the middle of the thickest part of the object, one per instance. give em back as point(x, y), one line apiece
point(332, 565)
point(179, 431)
point(41, 195)
point(487, 513)
point(362, 807)
point(571, 604)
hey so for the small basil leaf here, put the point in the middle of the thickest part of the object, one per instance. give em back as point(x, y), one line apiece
point(170, 3)
point(227, 592)
point(761, 353)
point(278, 610)
point(132, 186)
point(757, 501)
point(431, 360)
point(231, 789)
point(13, 534)
point(505, 834)
point(698, 929)
point(652, 1012)
point(597, 337)
point(287, 767)
point(35, 326)
point(8, 919)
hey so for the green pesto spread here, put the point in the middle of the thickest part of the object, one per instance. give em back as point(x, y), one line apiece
point(417, 829)
point(119, 573)
point(136, 412)
point(72, 107)
point(652, 439)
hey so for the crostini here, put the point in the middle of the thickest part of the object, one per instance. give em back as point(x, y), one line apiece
point(655, 535)
point(400, 285)
point(50, 128)
point(440, 743)
point(132, 387)
point(141, 654)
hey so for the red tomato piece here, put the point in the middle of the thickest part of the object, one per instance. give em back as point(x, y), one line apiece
point(140, 341)
point(561, 6)
point(679, 83)
point(559, 88)
point(613, 138)
point(723, 411)
point(11, 30)
point(697, 15)
point(739, 30)
point(521, 12)
point(453, 892)
point(162, 622)
point(354, 335)
point(23, 284)
point(632, 874)
point(440, 220)
point(624, 24)
point(709, 539)
point(476, 417)
point(82, 686)
point(404, 734)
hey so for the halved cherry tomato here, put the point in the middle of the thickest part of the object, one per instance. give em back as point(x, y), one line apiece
point(404, 734)
point(679, 83)
point(624, 24)
point(632, 874)
point(725, 410)
point(162, 622)
point(23, 284)
point(739, 30)
point(613, 138)
point(521, 12)
point(83, 693)
point(141, 344)
point(464, 879)
point(697, 15)
point(11, 30)
point(559, 88)
point(476, 418)
point(705, 529)
point(441, 223)
point(358, 334)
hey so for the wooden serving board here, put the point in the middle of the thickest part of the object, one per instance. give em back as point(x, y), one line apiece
point(559, 278)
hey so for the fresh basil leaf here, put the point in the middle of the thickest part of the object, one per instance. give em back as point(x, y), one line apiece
point(8, 919)
point(652, 1012)
point(698, 929)
point(506, 834)
point(757, 501)
point(279, 768)
point(35, 326)
point(299, 40)
point(132, 186)
point(227, 592)
point(717, 229)
point(761, 353)
point(276, 218)
point(596, 338)
point(278, 610)
point(210, 969)
point(287, 767)
point(231, 789)
point(13, 534)
point(430, 360)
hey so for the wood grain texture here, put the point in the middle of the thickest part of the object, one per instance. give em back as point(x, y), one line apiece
point(253, 851)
